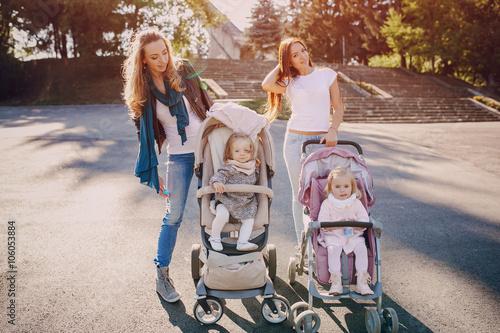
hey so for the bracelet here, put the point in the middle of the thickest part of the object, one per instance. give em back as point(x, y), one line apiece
point(336, 131)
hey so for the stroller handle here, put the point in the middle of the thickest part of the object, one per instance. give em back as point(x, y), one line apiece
point(343, 224)
point(237, 188)
point(375, 225)
point(339, 143)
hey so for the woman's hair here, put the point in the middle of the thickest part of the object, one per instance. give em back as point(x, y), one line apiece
point(235, 136)
point(286, 72)
point(342, 171)
point(135, 72)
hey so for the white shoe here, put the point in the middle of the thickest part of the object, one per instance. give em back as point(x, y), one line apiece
point(336, 281)
point(362, 287)
point(246, 246)
point(216, 243)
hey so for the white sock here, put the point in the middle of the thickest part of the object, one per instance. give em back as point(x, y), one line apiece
point(220, 220)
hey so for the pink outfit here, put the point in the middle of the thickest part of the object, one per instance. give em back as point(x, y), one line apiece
point(351, 209)
point(330, 213)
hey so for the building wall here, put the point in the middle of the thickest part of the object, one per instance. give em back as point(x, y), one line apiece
point(225, 42)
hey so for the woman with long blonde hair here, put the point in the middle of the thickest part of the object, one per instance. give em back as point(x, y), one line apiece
point(314, 94)
point(167, 102)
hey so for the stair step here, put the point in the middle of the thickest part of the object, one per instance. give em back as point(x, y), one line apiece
point(417, 98)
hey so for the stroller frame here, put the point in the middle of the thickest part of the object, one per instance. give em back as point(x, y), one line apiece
point(302, 313)
point(209, 308)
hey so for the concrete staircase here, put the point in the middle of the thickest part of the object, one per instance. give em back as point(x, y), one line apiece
point(241, 79)
point(416, 98)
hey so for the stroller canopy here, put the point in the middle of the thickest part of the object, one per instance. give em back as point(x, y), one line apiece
point(321, 162)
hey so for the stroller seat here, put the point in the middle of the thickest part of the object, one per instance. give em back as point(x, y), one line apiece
point(212, 146)
point(322, 274)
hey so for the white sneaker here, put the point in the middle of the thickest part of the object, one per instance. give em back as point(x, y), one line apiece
point(246, 246)
point(216, 243)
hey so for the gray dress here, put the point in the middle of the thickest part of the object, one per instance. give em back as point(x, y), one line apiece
point(241, 205)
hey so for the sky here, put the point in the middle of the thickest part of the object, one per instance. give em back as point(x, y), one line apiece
point(239, 11)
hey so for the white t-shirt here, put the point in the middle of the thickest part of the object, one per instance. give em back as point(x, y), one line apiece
point(310, 99)
point(169, 123)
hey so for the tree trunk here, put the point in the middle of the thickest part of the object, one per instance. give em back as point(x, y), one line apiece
point(490, 84)
point(64, 47)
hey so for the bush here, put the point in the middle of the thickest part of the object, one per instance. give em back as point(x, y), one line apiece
point(14, 77)
point(487, 101)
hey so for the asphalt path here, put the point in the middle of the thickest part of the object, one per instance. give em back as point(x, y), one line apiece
point(85, 230)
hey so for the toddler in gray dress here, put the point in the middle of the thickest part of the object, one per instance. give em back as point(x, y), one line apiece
point(240, 167)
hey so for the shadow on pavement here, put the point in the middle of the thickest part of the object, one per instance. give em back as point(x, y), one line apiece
point(355, 317)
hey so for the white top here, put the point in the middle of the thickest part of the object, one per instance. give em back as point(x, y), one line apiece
point(310, 99)
point(169, 123)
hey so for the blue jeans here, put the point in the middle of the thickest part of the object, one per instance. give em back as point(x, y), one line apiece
point(292, 154)
point(180, 169)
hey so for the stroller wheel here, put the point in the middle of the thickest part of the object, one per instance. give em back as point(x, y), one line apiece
point(372, 321)
point(208, 317)
point(307, 322)
point(195, 261)
point(282, 307)
point(296, 309)
point(271, 249)
point(292, 268)
point(391, 322)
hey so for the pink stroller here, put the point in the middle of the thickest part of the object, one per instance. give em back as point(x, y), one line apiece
point(315, 170)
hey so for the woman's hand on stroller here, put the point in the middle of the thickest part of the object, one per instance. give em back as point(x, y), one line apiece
point(219, 187)
point(330, 138)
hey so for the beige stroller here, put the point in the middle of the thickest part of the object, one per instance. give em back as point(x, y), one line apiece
point(231, 274)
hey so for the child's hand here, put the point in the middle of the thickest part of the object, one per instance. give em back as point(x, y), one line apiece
point(219, 187)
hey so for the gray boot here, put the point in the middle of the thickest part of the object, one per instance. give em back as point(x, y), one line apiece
point(165, 285)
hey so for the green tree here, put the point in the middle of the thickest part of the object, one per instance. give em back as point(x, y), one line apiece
point(338, 30)
point(103, 27)
point(366, 17)
point(456, 37)
point(13, 71)
point(321, 25)
point(401, 37)
point(480, 36)
point(265, 32)
point(8, 17)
